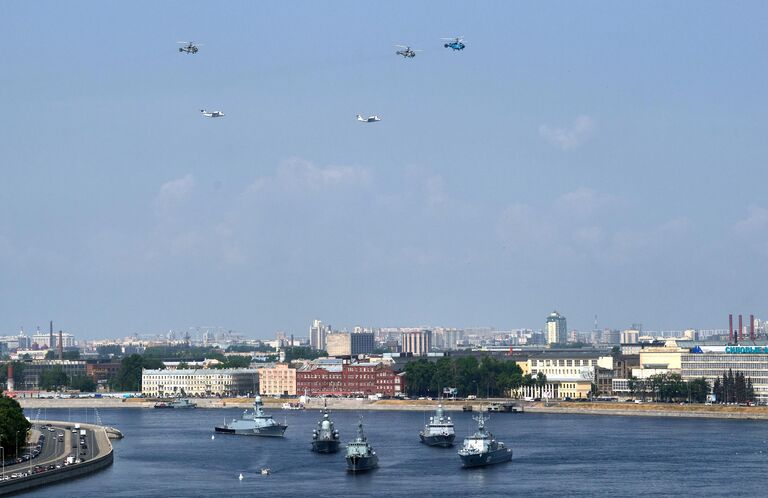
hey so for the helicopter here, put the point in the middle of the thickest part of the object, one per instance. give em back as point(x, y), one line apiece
point(211, 114)
point(189, 47)
point(454, 43)
point(406, 52)
point(369, 119)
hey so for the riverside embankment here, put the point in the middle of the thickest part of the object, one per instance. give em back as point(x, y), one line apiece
point(602, 408)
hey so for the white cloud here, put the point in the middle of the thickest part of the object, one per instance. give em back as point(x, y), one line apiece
point(174, 193)
point(754, 225)
point(569, 137)
point(300, 175)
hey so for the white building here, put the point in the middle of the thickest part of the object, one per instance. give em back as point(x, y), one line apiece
point(317, 333)
point(199, 382)
point(43, 340)
point(557, 329)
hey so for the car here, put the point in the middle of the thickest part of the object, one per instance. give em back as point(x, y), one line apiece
point(471, 396)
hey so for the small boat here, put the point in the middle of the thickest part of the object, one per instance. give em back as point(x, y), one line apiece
point(179, 404)
point(292, 406)
point(265, 471)
point(360, 454)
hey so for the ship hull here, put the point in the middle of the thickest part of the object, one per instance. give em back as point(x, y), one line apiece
point(272, 431)
point(325, 446)
point(362, 463)
point(440, 440)
point(483, 459)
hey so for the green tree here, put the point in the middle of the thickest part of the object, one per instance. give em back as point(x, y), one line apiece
point(303, 353)
point(82, 383)
point(53, 379)
point(52, 354)
point(541, 382)
point(128, 377)
point(13, 425)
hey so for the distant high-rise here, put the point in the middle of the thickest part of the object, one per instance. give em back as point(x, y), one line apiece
point(317, 334)
point(557, 330)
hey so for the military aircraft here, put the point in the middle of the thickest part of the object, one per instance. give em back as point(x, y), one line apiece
point(406, 52)
point(369, 119)
point(454, 43)
point(212, 114)
point(189, 47)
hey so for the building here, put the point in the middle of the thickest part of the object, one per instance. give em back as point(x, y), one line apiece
point(713, 361)
point(447, 339)
point(362, 379)
point(43, 341)
point(102, 372)
point(199, 382)
point(279, 380)
point(630, 336)
point(556, 329)
point(317, 334)
point(362, 343)
point(418, 342)
point(338, 344)
point(569, 374)
point(34, 370)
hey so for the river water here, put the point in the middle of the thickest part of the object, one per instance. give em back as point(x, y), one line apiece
point(170, 453)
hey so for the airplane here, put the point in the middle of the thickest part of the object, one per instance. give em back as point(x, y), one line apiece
point(212, 114)
point(189, 47)
point(369, 119)
point(406, 52)
point(454, 43)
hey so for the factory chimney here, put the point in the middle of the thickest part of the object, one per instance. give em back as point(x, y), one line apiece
point(10, 386)
point(50, 336)
point(61, 346)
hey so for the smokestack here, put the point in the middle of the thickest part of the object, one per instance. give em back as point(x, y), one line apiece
point(10, 384)
point(741, 330)
point(50, 338)
point(61, 346)
point(730, 328)
point(752, 327)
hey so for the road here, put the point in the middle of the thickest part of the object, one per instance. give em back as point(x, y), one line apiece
point(53, 451)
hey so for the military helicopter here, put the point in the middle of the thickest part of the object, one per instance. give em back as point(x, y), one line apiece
point(189, 47)
point(454, 43)
point(406, 52)
point(211, 114)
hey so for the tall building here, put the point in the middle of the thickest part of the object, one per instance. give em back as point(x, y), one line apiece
point(317, 334)
point(361, 343)
point(557, 330)
point(419, 342)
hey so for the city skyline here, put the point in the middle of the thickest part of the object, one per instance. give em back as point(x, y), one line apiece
point(605, 160)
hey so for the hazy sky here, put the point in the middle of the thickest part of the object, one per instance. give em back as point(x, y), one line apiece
point(591, 157)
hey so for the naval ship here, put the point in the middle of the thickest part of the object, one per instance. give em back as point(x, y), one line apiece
point(179, 404)
point(439, 430)
point(255, 423)
point(482, 449)
point(325, 439)
point(360, 454)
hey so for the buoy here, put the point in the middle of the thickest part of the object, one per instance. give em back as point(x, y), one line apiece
point(213, 437)
point(240, 476)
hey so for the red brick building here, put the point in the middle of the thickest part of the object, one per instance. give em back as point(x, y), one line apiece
point(102, 373)
point(361, 379)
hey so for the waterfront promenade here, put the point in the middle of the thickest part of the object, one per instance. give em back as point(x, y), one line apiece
point(598, 408)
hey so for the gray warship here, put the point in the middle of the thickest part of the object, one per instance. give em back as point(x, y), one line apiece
point(179, 404)
point(255, 423)
point(325, 439)
point(360, 454)
point(482, 449)
point(439, 431)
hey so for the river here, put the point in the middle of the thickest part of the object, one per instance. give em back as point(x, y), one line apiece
point(171, 453)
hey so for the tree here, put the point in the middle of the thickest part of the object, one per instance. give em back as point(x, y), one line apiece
point(52, 354)
point(541, 382)
point(303, 353)
point(83, 383)
point(717, 390)
point(13, 425)
point(53, 379)
point(128, 377)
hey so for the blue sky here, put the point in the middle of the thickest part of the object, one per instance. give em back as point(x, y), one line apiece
point(590, 157)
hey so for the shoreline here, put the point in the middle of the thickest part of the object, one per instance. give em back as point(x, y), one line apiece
point(598, 408)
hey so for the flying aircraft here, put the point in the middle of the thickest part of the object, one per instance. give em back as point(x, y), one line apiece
point(454, 43)
point(369, 119)
point(406, 52)
point(212, 114)
point(189, 47)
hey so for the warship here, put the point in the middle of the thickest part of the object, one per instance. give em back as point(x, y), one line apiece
point(325, 439)
point(255, 423)
point(177, 403)
point(482, 449)
point(439, 431)
point(360, 454)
